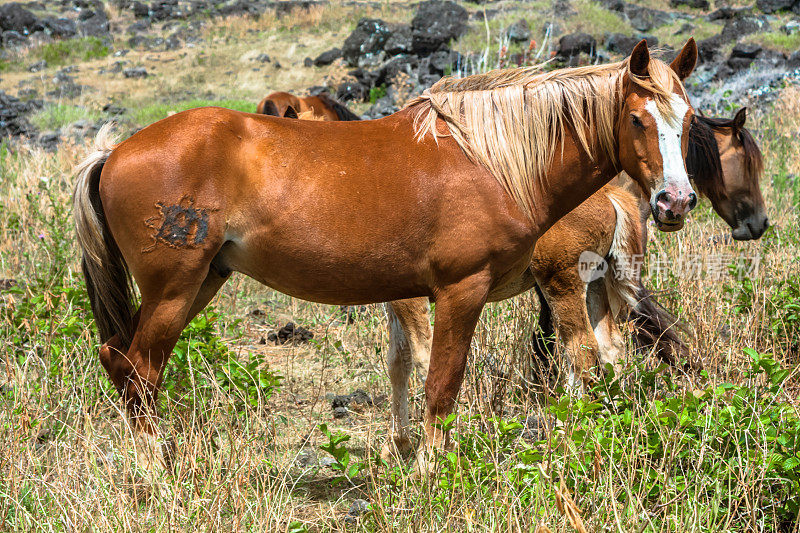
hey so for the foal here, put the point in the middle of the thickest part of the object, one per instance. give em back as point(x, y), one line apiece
point(444, 199)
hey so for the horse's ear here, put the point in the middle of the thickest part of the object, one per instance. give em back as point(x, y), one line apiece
point(290, 113)
point(684, 63)
point(740, 119)
point(640, 59)
point(270, 109)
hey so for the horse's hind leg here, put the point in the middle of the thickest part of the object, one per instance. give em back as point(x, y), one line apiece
point(565, 293)
point(611, 344)
point(409, 343)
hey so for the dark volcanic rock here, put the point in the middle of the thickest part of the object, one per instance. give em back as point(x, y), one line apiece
point(135, 72)
point(59, 27)
point(366, 41)
point(400, 41)
point(624, 44)
point(519, 32)
point(749, 51)
point(772, 6)
point(12, 116)
point(13, 38)
point(435, 24)
point(326, 58)
point(14, 17)
point(573, 44)
point(291, 333)
point(645, 19)
point(390, 69)
point(351, 91)
point(93, 22)
point(737, 27)
point(696, 4)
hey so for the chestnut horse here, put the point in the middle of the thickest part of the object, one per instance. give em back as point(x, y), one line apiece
point(444, 199)
point(725, 164)
point(321, 106)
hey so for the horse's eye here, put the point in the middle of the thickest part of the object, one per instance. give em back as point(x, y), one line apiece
point(637, 122)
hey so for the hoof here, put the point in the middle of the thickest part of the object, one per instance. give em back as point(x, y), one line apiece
point(426, 463)
point(396, 448)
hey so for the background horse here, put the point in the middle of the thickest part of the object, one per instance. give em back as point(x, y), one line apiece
point(412, 212)
point(725, 164)
point(321, 106)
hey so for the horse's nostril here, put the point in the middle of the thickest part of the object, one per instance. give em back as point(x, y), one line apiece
point(692, 200)
point(662, 196)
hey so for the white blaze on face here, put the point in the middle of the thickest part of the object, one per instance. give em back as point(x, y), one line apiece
point(669, 142)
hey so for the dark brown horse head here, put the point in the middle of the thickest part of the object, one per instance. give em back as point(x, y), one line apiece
point(279, 104)
point(653, 131)
point(725, 164)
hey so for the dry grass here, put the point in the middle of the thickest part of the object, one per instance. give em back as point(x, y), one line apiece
point(68, 460)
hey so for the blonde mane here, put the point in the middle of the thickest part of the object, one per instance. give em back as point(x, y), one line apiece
point(511, 121)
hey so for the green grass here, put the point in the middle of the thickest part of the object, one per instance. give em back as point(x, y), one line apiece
point(151, 113)
point(596, 20)
point(56, 116)
point(778, 41)
point(70, 50)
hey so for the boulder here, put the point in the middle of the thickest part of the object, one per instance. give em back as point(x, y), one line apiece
point(135, 72)
point(400, 41)
point(749, 51)
point(366, 41)
point(645, 19)
point(737, 27)
point(624, 44)
point(59, 27)
point(773, 6)
point(13, 38)
point(12, 117)
point(519, 32)
point(573, 44)
point(791, 27)
point(328, 57)
point(396, 65)
point(14, 17)
point(695, 4)
point(435, 24)
point(93, 22)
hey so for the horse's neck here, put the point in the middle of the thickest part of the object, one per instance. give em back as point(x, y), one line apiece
point(571, 179)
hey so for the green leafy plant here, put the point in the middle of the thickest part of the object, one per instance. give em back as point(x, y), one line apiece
point(335, 448)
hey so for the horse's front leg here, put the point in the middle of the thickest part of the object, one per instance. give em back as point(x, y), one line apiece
point(458, 308)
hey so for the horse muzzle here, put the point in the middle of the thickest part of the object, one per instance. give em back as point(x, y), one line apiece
point(670, 207)
point(751, 228)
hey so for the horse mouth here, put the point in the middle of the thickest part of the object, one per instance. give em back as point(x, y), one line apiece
point(667, 226)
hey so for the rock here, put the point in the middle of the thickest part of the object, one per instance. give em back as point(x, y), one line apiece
point(358, 399)
point(401, 63)
point(645, 19)
point(727, 12)
point(737, 27)
point(624, 44)
point(435, 24)
point(351, 91)
point(685, 28)
point(773, 6)
point(13, 38)
point(328, 57)
point(14, 17)
point(308, 62)
point(710, 50)
point(400, 42)
point(135, 72)
point(573, 44)
point(340, 412)
point(113, 109)
point(307, 458)
point(746, 50)
point(384, 107)
point(61, 28)
point(140, 26)
point(519, 32)
point(358, 508)
point(38, 66)
point(791, 27)
point(695, 4)
point(93, 22)
point(12, 117)
point(140, 10)
point(263, 58)
point(326, 461)
point(290, 333)
point(366, 41)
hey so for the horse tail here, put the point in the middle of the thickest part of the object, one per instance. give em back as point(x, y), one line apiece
point(340, 109)
point(108, 280)
point(654, 326)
